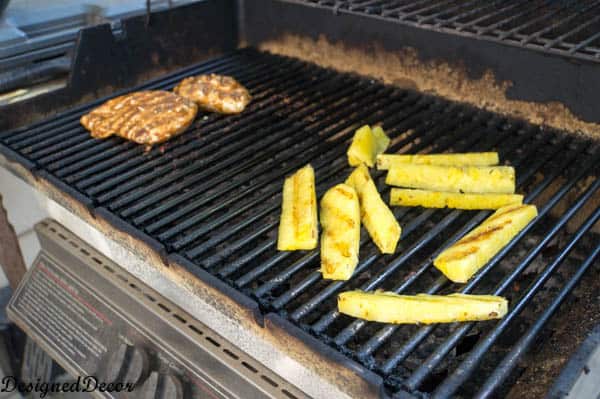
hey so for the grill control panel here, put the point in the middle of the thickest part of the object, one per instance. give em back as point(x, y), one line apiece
point(106, 327)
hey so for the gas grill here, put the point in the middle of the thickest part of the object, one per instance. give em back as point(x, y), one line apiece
point(195, 218)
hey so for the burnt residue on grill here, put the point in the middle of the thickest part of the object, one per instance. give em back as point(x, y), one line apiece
point(579, 315)
point(204, 209)
point(406, 69)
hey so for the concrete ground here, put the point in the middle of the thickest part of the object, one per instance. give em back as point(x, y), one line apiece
point(21, 204)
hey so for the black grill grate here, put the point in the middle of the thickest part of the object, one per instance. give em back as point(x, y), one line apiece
point(570, 28)
point(212, 196)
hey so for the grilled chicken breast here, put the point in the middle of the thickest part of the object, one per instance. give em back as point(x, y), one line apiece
point(216, 93)
point(145, 117)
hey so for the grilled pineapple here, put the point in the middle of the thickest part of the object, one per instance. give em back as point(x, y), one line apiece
point(438, 199)
point(340, 240)
point(375, 214)
point(461, 260)
point(387, 161)
point(387, 307)
point(466, 179)
point(298, 225)
point(366, 144)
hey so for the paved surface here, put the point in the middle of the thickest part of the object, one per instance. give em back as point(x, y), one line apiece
point(21, 203)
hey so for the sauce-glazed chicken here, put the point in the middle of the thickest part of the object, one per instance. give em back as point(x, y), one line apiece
point(216, 93)
point(145, 117)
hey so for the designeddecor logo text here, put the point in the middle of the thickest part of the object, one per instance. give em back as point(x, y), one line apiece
point(88, 383)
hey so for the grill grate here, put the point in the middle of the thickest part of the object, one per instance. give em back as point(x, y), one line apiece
point(570, 28)
point(212, 196)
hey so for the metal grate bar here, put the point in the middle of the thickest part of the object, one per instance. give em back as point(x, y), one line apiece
point(579, 28)
point(83, 159)
point(198, 232)
point(365, 5)
point(462, 372)
point(295, 132)
point(510, 360)
point(182, 211)
point(531, 22)
point(356, 325)
point(443, 349)
point(246, 278)
point(407, 15)
point(504, 22)
point(279, 279)
point(491, 16)
point(584, 43)
point(199, 249)
point(423, 332)
point(448, 11)
point(523, 10)
point(393, 265)
point(233, 146)
point(438, 22)
point(554, 26)
point(48, 129)
point(315, 276)
point(335, 168)
point(381, 336)
point(393, 10)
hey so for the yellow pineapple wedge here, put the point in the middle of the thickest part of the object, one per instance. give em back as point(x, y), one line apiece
point(340, 240)
point(466, 179)
point(366, 144)
point(387, 307)
point(460, 261)
point(375, 214)
point(298, 224)
point(439, 199)
point(387, 161)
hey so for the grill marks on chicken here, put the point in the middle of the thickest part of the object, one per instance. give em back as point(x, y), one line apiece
point(215, 93)
point(153, 116)
point(145, 117)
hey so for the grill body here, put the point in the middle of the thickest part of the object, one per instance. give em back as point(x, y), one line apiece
point(207, 203)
